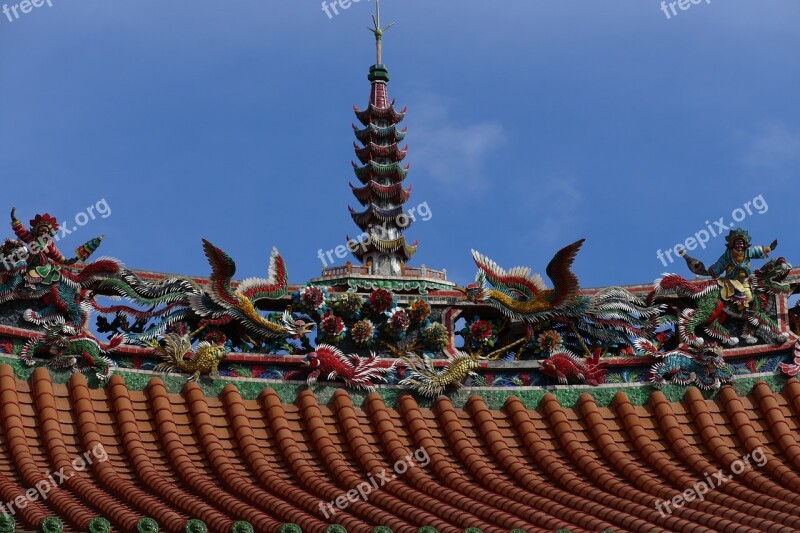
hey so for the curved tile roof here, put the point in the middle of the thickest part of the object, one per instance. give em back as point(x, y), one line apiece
point(221, 460)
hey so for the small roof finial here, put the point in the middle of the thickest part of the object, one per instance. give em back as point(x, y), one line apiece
point(378, 31)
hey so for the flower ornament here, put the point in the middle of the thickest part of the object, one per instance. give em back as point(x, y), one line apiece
point(435, 336)
point(363, 332)
point(381, 300)
point(312, 298)
point(332, 326)
point(419, 311)
point(550, 341)
point(349, 305)
point(481, 331)
point(399, 320)
point(216, 338)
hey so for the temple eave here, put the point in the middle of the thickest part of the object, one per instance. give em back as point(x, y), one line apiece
point(374, 133)
point(374, 191)
point(406, 252)
point(372, 151)
point(367, 116)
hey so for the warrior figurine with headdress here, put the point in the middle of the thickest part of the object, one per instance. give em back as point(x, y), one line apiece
point(44, 259)
point(732, 270)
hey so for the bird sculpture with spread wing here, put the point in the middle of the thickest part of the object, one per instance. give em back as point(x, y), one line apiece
point(612, 315)
point(222, 304)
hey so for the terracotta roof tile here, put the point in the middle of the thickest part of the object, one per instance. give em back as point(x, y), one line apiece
point(220, 460)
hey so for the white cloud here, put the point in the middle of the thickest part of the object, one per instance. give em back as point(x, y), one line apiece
point(453, 152)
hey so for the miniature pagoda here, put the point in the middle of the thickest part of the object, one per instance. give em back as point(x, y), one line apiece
point(384, 247)
point(381, 246)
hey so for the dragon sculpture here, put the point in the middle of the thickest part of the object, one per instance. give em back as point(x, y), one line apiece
point(709, 310)
point(357, 372)
point(705, 368)
point(611, 315)
point(65, 348)
point(173, 300)
point(34, 270)
point(178, 355)
point(167, 300)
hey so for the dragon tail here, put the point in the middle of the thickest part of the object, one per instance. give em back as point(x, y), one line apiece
point(367, 371)
point(420, 376)
point(173, 351)
point(154, 331)
point(129, 285)
point(614, 314)
point(673, 284)
point(595, 373)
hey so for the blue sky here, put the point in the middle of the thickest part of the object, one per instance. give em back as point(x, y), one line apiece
point(531, 124)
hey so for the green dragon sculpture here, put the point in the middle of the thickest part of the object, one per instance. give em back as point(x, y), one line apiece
point(708, 309)
point(62, 347)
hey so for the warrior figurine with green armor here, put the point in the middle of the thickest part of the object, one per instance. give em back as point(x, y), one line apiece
point(732, 270)
point(44, 259)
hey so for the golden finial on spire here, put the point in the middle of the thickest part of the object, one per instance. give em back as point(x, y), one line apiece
point(378, 31)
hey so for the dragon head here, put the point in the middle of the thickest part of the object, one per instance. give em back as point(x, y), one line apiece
point(772, 275)
point(711, 354)
point(476, 292)
point(58, 332)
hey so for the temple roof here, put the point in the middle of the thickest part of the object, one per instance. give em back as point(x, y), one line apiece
point(373, 132)
point(372, 169)
point(375, 215)
point(398, 245)
point(175, 457)
point(373, 151)
point(372, 113)
point(374, 190)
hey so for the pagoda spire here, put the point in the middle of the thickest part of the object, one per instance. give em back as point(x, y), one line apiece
point(378, 31)
point(382, 195)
